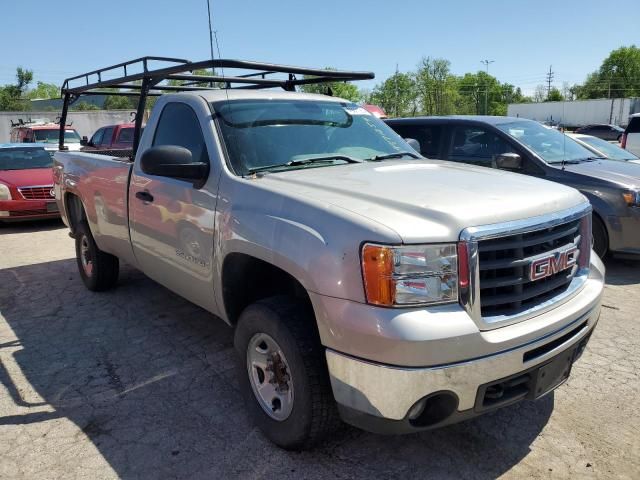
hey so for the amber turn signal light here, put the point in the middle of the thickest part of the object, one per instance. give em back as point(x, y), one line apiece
point(377, 268)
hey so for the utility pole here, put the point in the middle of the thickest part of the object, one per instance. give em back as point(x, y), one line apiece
point(486, 87)
point(396, 78)
point(549, 80)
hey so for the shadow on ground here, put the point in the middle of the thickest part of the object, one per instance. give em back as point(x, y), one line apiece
point(29, 226)
point(149, 379)
point(622, 271)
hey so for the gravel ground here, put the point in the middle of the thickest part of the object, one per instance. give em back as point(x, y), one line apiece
point(138, 383)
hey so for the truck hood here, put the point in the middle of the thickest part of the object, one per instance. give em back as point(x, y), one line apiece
point(430, 200)
point(626, 174)
point(25, 178)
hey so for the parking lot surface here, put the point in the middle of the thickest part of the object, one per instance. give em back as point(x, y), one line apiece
point(138, 383)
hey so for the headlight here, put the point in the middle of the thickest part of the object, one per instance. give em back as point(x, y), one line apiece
point(5, 194)
point(632, 198)
point(410, 275)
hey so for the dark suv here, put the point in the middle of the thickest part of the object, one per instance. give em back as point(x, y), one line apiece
point(525, 146)
point(603, 131)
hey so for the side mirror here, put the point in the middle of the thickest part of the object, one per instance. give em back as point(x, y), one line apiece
point(508, 161)
point(174, 162)
point(84, 142)
point(413, 143)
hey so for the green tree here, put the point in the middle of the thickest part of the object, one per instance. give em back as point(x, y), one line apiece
point(618, 76)
point(120, 102)
point(554, 95)
point(436, 86)
point(397, 95)
point(44, 91)
point(345, 90)
point(12, 96)
point(83, 106)
point(199, 71)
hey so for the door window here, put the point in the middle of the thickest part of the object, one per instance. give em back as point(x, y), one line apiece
point(429, 137)
point(107, 135)
point(634, 125)
point(477, 145)
point(125, 135)
point(97, 137)
point(178, 125)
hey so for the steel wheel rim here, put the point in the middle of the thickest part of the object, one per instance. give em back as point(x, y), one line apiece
point(85, 256)
point(270, 376)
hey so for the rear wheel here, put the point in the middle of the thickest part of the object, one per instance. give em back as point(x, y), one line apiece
point(600, 237)
point(98, 270)
point(283, 374)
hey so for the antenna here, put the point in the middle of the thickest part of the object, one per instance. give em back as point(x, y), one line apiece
point(213, 72)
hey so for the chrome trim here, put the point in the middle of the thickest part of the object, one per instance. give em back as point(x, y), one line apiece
point(362, 384)
point(472, 235)
point(26, 187)
point(37, 186)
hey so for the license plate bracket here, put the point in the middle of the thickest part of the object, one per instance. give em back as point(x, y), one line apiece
point(554, 373)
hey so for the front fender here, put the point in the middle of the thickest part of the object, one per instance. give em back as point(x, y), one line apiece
point(319, 245)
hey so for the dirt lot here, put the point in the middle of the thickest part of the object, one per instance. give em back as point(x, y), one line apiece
point(138, 383)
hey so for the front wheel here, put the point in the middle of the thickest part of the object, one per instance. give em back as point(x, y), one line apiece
point(283, 374)
point(98, 270)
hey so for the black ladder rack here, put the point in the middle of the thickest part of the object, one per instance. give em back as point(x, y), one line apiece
point(148, 81)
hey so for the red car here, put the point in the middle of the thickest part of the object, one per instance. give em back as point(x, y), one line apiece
point(111, 137)
point(26, 183)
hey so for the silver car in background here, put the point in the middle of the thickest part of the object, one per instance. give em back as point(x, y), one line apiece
point(603, 148)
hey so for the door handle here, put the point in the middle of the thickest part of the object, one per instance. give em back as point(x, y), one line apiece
point(144, 196)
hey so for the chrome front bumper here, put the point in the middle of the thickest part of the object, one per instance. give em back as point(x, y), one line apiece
point(373, 389)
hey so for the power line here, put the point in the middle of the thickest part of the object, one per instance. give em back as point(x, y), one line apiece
point(549, 80)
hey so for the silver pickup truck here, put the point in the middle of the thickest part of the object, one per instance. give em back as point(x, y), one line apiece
point(363, 281)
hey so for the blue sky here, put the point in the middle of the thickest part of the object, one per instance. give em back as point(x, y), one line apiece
point(522, 37)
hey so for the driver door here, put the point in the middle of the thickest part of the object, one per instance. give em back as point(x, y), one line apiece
point(171, 221)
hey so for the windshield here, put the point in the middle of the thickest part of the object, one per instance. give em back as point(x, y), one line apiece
point(52, 136)
point(24, 158)
point(263, 133)
point(550, 144)
point(610, 150)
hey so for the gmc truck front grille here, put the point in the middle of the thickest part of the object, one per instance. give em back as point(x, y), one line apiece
point(505, 264)
point(523, 268)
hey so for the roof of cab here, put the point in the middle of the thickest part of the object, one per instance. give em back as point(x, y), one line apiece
point(249, 94)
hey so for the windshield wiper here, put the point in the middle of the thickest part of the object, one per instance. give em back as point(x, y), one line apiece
point(305, 161)
point(377, 158)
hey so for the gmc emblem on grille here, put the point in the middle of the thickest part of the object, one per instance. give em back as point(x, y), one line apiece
point(557, 262)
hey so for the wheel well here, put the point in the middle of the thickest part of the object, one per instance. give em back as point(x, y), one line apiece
point(75, 211)
point(246, 279)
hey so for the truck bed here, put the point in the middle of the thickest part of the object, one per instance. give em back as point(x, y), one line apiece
point(101, 182)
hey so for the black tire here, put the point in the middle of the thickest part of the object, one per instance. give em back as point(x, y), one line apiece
point(291, 324)
point(600, 237)
point(98, 270)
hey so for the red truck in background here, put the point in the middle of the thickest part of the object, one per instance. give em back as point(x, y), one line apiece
point(45, 132)
point(110, 137)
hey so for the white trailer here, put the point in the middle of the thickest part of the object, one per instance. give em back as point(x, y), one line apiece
point(578, 113)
